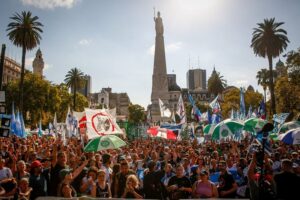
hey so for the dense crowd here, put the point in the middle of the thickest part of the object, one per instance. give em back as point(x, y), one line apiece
point(146, 168)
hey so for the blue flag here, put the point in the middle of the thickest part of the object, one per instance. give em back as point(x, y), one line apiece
point(195, 110)
point(242, 104)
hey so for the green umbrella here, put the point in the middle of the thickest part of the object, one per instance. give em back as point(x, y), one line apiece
point(254, 124)
point(104, 142)
point(208, 129)
point(226, 128)
point(288, 126)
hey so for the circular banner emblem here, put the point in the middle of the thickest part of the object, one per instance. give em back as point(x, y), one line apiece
point(102, 124)
point(224, 133)
point(104, 143)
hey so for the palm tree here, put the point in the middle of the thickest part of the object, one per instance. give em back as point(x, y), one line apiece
point(263, 80)
point(268, 40)
point(24, 31)
point(216, 83)
point(74, 80)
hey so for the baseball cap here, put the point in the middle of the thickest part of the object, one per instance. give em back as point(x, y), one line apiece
point(35, 164)
point(203, 172)
point(64, 172)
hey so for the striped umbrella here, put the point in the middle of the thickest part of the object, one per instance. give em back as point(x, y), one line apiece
point(290, 137)
point(208, 129)
point(288, 126)
point(253, 125)
point(226, 128)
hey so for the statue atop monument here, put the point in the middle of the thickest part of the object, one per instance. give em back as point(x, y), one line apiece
point(158, 24)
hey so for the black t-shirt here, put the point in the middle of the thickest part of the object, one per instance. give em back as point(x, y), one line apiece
point(287, 185)
point(54, 179)
point(39, 185)
point(180, 182)
point(122, 182)
point(130, 195)
point(225, 183)
point(152, 186)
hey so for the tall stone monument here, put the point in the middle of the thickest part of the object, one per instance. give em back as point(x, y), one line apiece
point(38, 63)
point(159, 77)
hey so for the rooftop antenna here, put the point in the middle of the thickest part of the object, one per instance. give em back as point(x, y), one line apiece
point(198, 63)
point(154, 12)
point(189, 61)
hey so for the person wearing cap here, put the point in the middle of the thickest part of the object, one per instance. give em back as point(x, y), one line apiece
point(227, 186)
point(66, 177)
point(38, 180)
point(204, 188)
point(195, 171)
point(287, 182)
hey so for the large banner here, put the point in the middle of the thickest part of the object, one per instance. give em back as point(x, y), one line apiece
point(100, 122)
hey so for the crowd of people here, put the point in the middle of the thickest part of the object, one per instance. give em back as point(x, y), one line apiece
point(146, 168)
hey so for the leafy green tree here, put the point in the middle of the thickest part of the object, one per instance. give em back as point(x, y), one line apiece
point(74, 80)
point(231, 101)
point(293, 66)
point(269, 40)
point(136, 113)
point(263, 80)
point(24, 31)
point(43, 99)
point(287, 96)
point(216, 83)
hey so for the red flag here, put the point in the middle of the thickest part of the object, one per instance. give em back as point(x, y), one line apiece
point(156, 131)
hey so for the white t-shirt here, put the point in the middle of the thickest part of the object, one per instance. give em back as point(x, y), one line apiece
point(108, 171)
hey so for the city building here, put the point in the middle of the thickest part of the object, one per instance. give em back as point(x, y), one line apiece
point(11, 70)
point(87, 86)
point(108, 99)
point(38, 63)
point(196, 79)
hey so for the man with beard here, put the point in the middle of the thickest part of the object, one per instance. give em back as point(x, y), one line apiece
point(227, 185)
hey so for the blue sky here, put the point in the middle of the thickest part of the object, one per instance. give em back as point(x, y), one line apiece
point(112, 40)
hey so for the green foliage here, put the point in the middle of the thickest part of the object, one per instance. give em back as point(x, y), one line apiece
point(293, 66)
point(42, 99)
point(136, 113)
point(269, 40)
point(232, 101)
point(216, 83)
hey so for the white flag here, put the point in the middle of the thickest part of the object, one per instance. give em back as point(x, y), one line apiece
point(100, 122)
point(164, 111)
point(181, 111)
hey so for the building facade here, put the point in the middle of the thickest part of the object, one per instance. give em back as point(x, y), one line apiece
point(108, 99)
point(11, 70)
point(87, 86)
point(196, 79)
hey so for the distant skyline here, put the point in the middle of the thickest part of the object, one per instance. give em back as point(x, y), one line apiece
point(113, 40)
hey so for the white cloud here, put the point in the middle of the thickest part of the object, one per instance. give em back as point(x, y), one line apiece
point(28, 64)
point(50, 4)
point(169, 48)
point(85, 42)
point(241, 83)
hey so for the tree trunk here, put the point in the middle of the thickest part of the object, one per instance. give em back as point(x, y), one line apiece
point(265, 99)
point(74, 96)
point(22, 79)
point(271, 85)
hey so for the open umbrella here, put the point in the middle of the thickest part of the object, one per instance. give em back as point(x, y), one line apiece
point(291, 136)
point(226, 128)
point(208, 129)
point(104, 142)
point(254, 124)
point(288, 126)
